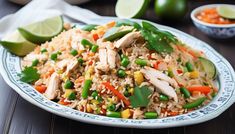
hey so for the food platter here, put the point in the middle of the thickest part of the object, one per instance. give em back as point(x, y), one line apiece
point(11, 66)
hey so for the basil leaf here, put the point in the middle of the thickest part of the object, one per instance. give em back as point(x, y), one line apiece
point(140, 97)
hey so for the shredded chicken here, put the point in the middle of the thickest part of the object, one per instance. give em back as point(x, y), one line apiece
point(53, 85)
point(127, 40)
point(160, 81)
point(73, 65)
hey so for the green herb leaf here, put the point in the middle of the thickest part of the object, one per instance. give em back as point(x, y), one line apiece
point(29, 75)
point(155, 42)
point(126, 22)
point(140, 97)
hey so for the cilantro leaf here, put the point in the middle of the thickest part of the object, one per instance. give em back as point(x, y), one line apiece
point(29, 75)
point(140, 97)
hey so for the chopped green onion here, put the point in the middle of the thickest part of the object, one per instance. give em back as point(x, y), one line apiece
point(189, 66)
point(121, 73)
point(86, 87)
point(163, 97)
point(43, 50)
point(111, 107)
point(94, 94)
point(195, 103)
point(150, 115)
point(141, 62)
point(94, 48)
point(68, 84)
point(80, 60)
point(113, 114)
point(125, 61)
point(185, 92)
point(86, 43)
point(54, 56)
point(72, 96)
point(74, 52)
point(35, 62)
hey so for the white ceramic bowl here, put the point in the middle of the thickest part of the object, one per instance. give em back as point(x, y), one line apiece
point(10, 66)
point(213, 30)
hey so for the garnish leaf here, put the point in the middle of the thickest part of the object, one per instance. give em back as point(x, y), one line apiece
point(140, 97)
point(29, 75)
point(125, 22)
point(158, 40)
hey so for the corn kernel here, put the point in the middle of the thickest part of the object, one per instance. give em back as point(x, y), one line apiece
point(194, 74)
point(126, 114)
point(67, 93)
point(139, 78)
point(96, 102)
point(131, 91)
point(120, 88)
point(88, 108)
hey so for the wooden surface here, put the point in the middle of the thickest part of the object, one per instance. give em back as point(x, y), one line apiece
point(18, 116)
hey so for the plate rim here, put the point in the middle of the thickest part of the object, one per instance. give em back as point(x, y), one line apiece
point(120, 123)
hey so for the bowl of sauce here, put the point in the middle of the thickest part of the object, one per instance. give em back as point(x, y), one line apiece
point(215, 20)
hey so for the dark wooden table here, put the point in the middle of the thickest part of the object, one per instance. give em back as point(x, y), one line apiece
point(17, 116)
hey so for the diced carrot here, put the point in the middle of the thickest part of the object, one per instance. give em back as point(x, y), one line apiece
point(155, 65)
point(179, 71)
point(171, 113)
point(116, 92)
point(41, 88)
point(90, 62)
point(63, 102)
point(202, 89)
point(111, 24)
point(196, 93)
point(95, 37)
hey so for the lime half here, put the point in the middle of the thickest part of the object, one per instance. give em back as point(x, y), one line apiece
point(42, 31)
point(131, 8)
point(226, 11)
point(16, 44)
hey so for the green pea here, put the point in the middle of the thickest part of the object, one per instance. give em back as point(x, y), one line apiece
point(189, 66)
point(80, 60)
point(86, 87)
point(68, 84)
point(125, 62)
point(94, 94)
point(94, 48)
point(185, 92)
point(54, 56)
point(35, 62)
point(141, 62)
point(121, 73)
point(43, 50)
point(111, 107)
point(195, 103)
point(113, 114)
point(86, 43)
point(72, 96)
point(150, 115)
point(74, 52)
point(163, 97)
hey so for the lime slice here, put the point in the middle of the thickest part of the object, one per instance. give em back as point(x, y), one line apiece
point(226, 11)
point(42, 31)
point(131, 8)
point(16, 44)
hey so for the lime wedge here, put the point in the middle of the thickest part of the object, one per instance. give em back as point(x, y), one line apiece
point(42, 31)
point(131, 8)
point(226, 11)
point(16, 44)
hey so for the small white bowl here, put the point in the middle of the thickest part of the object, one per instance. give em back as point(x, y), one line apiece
point(221, 31)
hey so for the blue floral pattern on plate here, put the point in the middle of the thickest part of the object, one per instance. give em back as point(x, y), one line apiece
point(10, 67)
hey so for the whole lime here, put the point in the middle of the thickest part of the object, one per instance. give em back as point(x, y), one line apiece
point(171, 9)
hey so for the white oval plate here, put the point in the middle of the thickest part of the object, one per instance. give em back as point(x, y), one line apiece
point(10, 67)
